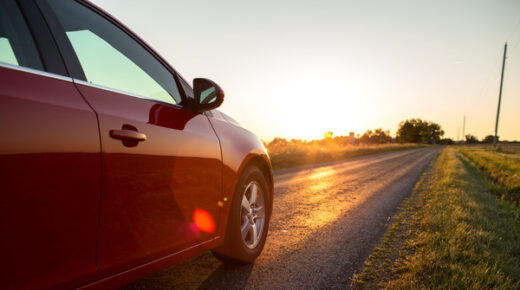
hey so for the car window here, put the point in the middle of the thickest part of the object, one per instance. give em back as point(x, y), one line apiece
point(16, 44)
point(111, 58)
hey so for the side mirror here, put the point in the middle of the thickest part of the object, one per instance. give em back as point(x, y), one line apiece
point(208, 95)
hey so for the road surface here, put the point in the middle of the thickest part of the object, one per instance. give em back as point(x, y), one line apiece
point(326, 220)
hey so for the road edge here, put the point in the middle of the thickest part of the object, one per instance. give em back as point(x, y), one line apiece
point(379, 262)
point(452, 233)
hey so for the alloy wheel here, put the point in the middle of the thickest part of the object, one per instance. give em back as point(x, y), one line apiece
point(252, 213)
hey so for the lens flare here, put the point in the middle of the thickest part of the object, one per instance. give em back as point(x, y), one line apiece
point(203, 221)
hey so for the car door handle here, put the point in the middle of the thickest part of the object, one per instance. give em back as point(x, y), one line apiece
point(127, 135)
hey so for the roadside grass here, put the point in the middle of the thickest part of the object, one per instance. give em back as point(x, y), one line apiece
point(509, 147)
point(452, 233)
point(291, 155)
point(503, 169)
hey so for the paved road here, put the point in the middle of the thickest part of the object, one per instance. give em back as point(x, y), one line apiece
point(327, 219)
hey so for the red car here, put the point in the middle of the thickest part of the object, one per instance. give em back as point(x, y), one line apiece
point(112, 166)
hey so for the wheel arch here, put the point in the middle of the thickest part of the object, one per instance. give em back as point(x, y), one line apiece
point(264, 166)
point(262, 163)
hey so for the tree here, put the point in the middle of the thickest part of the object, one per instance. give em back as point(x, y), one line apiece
point(379, 136)
point(278, 142)
point(489, 139)
point(419, 131)
point(470, 139)
point(365, 138)
point(432, 133)
point(446, 141)
point(409, 131)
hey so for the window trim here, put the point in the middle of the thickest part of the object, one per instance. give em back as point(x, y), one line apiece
point(126, 93)
point(72, 61)
point(35, 71)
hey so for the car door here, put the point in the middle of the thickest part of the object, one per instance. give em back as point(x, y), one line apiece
point(161, 164)
point(50, 165)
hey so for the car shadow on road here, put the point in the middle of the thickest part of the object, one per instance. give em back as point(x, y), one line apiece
point(200, 272)
point(219, 279)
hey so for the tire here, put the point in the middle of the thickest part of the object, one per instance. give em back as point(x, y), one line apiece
point(250, 212)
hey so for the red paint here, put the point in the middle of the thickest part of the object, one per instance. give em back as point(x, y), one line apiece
point(50, 176)
point(151, 190)
point(51, 163)
point(239, 149)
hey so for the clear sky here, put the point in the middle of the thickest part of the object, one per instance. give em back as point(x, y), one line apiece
point(296, 69)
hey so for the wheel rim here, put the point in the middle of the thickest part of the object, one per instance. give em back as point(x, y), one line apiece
point(252, 213)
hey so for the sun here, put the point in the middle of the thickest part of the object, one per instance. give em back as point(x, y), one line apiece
point(318, 102)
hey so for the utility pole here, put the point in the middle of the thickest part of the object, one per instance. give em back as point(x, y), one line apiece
point(495, 140)
point(464, 128)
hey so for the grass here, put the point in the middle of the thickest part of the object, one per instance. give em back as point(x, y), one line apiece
point(297, 153)
point(503, 169)
point(451, 233)
point(509, 147)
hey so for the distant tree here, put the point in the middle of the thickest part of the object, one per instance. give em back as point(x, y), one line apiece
point(379, 136)
point(409, 131)
point(489, 139)
point(446, 141)
point(470, 139)
point(432, 133)
point(328, 135)
point(365, 138)
point(357, 139)
point(342, 140)
point(278, 142)
point(419, 131)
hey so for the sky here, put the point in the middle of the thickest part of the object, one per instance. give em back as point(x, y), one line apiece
point(296, 69)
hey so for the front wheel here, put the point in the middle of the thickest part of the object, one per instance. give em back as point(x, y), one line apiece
point(249, 219)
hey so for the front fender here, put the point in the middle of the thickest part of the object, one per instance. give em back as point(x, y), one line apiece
point(240, 148)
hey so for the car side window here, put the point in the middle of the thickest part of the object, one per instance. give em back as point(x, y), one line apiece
point(16, 43)
point(111, 58)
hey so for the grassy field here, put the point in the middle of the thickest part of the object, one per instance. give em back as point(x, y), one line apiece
point(453, 232)
point(502, 168)
point(509, 147)
point(294, 154)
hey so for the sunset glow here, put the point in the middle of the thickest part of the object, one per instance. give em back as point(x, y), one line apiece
point(343, 66)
